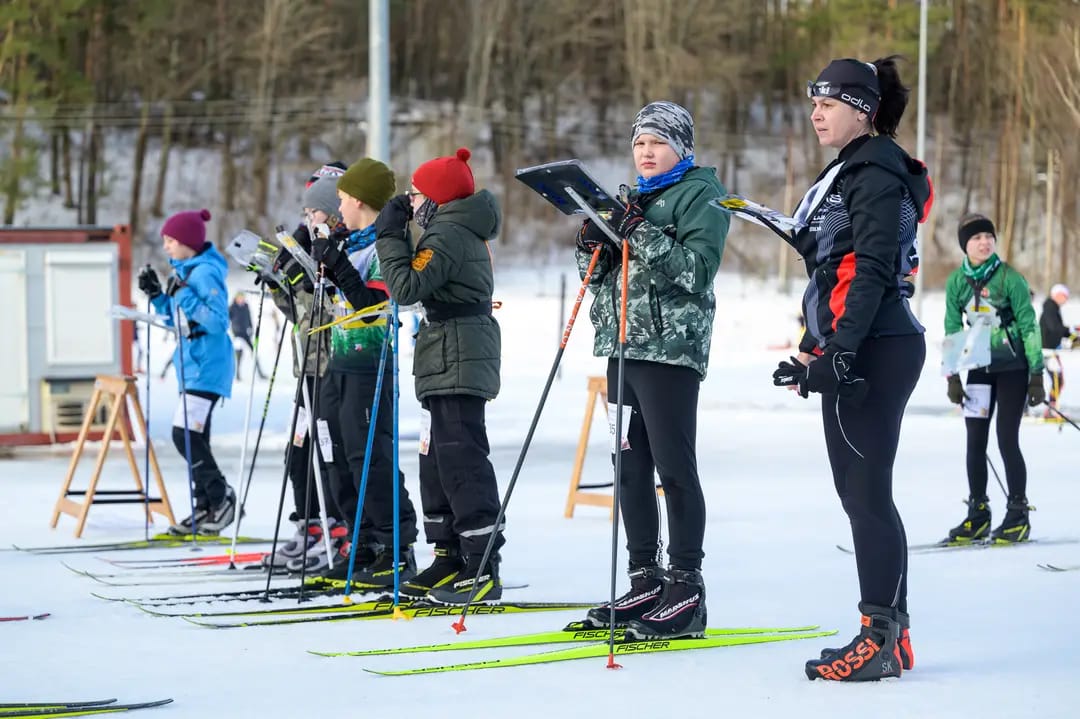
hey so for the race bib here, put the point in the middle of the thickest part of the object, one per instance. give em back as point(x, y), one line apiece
point(977, 405)
point(301, 427)
point(425, 431)
point(198, 409)
point(326, 444)
point(611, 418)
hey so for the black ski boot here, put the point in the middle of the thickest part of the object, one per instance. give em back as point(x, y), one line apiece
point(1016, 527)
point(646, 586)
point(977, 524)
point(680, 612)
point(337, 575)
point(448, 563)
point(380, 573)
point(903, 643)
point(872, 655)
point(460, 589)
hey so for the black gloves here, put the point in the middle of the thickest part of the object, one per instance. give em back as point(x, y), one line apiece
point(956, 392)
point(326, 248)
point(590, 237)
point(1036, 391)
point(832, 373)
point(149, 282)
point(625, 220)
point(393, 218)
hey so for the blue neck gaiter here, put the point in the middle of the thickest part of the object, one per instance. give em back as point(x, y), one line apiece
point(359, 239)
point(646, 185)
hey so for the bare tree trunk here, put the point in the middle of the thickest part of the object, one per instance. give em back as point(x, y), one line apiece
point(65, 148)
point(157, 208)
point(54, 162)
point(137, 169)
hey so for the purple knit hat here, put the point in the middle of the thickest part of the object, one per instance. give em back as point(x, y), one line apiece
point(188, 228)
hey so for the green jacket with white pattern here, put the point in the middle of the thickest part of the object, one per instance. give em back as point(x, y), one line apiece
point(674, 257)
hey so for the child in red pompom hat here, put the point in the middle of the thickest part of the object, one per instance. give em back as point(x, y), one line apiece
point(456, 366)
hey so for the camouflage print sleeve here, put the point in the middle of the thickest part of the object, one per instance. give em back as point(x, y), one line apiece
point(603, 266)
point(692, 259)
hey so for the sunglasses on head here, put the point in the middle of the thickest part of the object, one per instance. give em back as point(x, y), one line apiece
point(828, 89)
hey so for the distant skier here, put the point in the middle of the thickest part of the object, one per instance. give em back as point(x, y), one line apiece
point(985, 286)
point(243, 331)
point(1054, 333)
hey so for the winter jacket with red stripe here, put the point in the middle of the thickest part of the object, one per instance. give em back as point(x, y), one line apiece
point(859, 246)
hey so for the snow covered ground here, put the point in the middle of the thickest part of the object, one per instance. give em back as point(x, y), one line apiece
point(994, 635)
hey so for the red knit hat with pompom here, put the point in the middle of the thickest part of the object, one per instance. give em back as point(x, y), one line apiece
point(188, 228)
point(446, 178)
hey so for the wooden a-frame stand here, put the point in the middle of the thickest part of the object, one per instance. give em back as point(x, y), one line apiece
point(597, 391)
point(118, 391)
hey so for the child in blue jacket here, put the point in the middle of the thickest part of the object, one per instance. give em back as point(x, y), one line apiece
point(196, 299)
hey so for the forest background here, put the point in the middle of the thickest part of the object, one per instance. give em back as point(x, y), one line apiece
point(98, 98)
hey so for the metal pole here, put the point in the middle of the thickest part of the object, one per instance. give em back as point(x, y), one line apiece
point(378, 136)
point(920, 144)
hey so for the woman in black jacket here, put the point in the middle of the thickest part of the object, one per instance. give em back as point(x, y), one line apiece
point(863, 349)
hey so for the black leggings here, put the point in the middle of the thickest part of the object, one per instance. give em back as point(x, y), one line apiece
point(1008, 392)
point(209, 482)
point(862, 443)
point(663, 438)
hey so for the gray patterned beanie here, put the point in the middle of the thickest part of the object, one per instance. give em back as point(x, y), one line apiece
point(669, 122)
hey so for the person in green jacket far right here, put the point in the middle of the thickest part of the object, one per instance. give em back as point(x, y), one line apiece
point(676, 242)
point(985, 286)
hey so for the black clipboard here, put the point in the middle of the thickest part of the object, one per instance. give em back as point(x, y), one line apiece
point(551, 180)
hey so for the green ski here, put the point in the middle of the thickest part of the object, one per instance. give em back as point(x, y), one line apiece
point(386, 610)
point(601, 650)
point(574, 632)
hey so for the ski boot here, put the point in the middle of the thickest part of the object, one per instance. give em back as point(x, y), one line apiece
point(485, 579)
point(976, 526)
point(903, 643)
point(872, 655)
point(679, 613)
point(448, 563)
point(380, 571)
point(646, 586)
point(1016, 527)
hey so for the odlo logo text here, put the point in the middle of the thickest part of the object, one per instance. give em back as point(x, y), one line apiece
point(857, 102)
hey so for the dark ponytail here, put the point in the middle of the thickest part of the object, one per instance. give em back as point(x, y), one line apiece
point(894, 96)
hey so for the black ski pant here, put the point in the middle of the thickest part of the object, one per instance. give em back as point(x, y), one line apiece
point(209, 483)
point(458, 489)
point(346, 401)
point(1008, 394)
point(305, 499)
point(662, 433)
point(861, 442)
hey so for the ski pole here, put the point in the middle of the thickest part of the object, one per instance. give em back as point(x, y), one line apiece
point(620, 377)
point(247, 425)
point(187, 429)
point(396, 468)
point(314, 452)
point(459, 625)
point(997, 477)
point(146, 431)
point(1061, 414)
point(362, 490)
point(301, 349)
point(258, 441)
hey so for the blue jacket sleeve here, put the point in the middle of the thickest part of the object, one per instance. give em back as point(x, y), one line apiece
point(203, 302)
